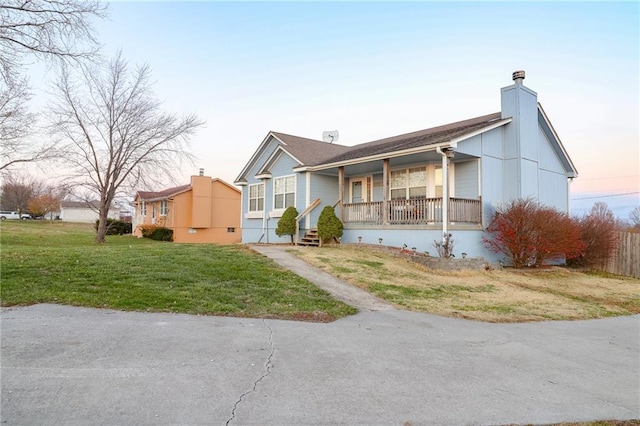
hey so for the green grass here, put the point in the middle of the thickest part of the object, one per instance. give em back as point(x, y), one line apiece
point(44, 262)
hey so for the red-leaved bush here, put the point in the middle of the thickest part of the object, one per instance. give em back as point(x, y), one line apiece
point(529, 234)
point(598, 232)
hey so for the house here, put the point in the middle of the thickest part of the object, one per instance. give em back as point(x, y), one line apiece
point(205, 211)
point(413, 188)
point(83, 211)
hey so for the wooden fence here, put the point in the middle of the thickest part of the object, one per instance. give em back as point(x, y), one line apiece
point(626, 259)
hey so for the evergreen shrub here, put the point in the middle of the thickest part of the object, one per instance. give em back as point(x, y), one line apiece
point(329, 226)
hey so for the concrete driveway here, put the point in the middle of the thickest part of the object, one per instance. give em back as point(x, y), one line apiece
point(78, 366)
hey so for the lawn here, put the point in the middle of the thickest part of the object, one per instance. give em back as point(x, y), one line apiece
point(493, 296)
point(58, 262)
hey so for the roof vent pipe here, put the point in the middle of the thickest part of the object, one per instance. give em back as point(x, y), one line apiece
point(518, 76)
point(201, 172)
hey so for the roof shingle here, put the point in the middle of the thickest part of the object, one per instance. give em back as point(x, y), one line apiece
point(150, 195)
point(425, 137)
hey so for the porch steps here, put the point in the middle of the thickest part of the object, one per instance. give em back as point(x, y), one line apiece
point(310, 238)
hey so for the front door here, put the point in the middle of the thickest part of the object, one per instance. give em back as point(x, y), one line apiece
point(358, 189)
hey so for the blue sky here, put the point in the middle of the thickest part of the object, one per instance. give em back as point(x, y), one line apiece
point(371, 70)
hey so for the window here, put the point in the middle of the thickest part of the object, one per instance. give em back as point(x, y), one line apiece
point(143, 209)
point(284, 192)
point(408, 183)
point(256, 197)
point(231, 229)
point(164, 207)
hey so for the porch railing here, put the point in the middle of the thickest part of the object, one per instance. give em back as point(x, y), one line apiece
point(413, 212)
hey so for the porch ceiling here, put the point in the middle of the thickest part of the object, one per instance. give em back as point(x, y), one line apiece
point(371, 167)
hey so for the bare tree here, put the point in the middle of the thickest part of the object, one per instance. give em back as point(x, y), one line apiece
point(114, 132)
point(634, 217)
point(598, 232)
point(48, 30)
point(17, 190)
point(16, 125)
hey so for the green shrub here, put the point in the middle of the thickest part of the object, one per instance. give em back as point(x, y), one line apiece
point(162, 234)
point(158, 233)
point(329, 226)
point(116, 227)
point(287, 223)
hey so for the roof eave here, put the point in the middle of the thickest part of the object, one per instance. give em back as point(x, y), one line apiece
point(375, 157)
point(452, 143)
point(275, 155)
point(243, 174)
point(573, 173)
point(492, 126)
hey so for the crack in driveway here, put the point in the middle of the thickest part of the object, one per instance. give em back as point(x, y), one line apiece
point(268, 366)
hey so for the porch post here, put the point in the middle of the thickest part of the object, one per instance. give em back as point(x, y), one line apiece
point(341, 191)
point(385, 190)
point(445, 195)
point(446, 154)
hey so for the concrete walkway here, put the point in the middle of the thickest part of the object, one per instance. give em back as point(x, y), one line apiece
point(339, 289)
point(79, 366)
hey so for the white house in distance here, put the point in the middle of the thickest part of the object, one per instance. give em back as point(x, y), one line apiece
point(82, 211)
point(412, 188)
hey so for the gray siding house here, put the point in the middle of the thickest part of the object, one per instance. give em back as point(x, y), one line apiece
point(412, 188)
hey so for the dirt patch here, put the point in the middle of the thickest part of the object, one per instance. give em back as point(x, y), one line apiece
point(492, 295)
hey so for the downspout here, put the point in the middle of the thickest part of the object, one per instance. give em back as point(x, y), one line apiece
point(265, 218)
point(569, 182)
point(445, 190)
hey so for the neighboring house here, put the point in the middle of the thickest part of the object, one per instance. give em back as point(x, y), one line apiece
point(412, 188)
point(83, 211)
point(205, 211)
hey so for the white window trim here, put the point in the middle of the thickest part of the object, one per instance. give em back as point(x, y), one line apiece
point(407, 187)
point(143, 208)
point(277, 212)
point(165, 210)
point(252, 213)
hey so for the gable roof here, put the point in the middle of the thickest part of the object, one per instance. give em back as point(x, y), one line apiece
point(314, 155)
point(309, 152)
point(556, 144)
point(421, 138)
point(303, 150)
point(161, 195)
point(170, 192)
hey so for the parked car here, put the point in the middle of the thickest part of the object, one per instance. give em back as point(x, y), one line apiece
point(5, 214)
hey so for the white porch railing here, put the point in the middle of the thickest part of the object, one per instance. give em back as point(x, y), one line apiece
point(413, 212)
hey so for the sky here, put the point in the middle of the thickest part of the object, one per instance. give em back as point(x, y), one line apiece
point(376, 69)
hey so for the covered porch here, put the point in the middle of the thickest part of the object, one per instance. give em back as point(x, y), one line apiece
point(437, 186)
point(427, 211)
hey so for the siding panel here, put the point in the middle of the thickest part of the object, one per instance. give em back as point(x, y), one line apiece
point(554, 190)
point(548, 158)
point(466, 179)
